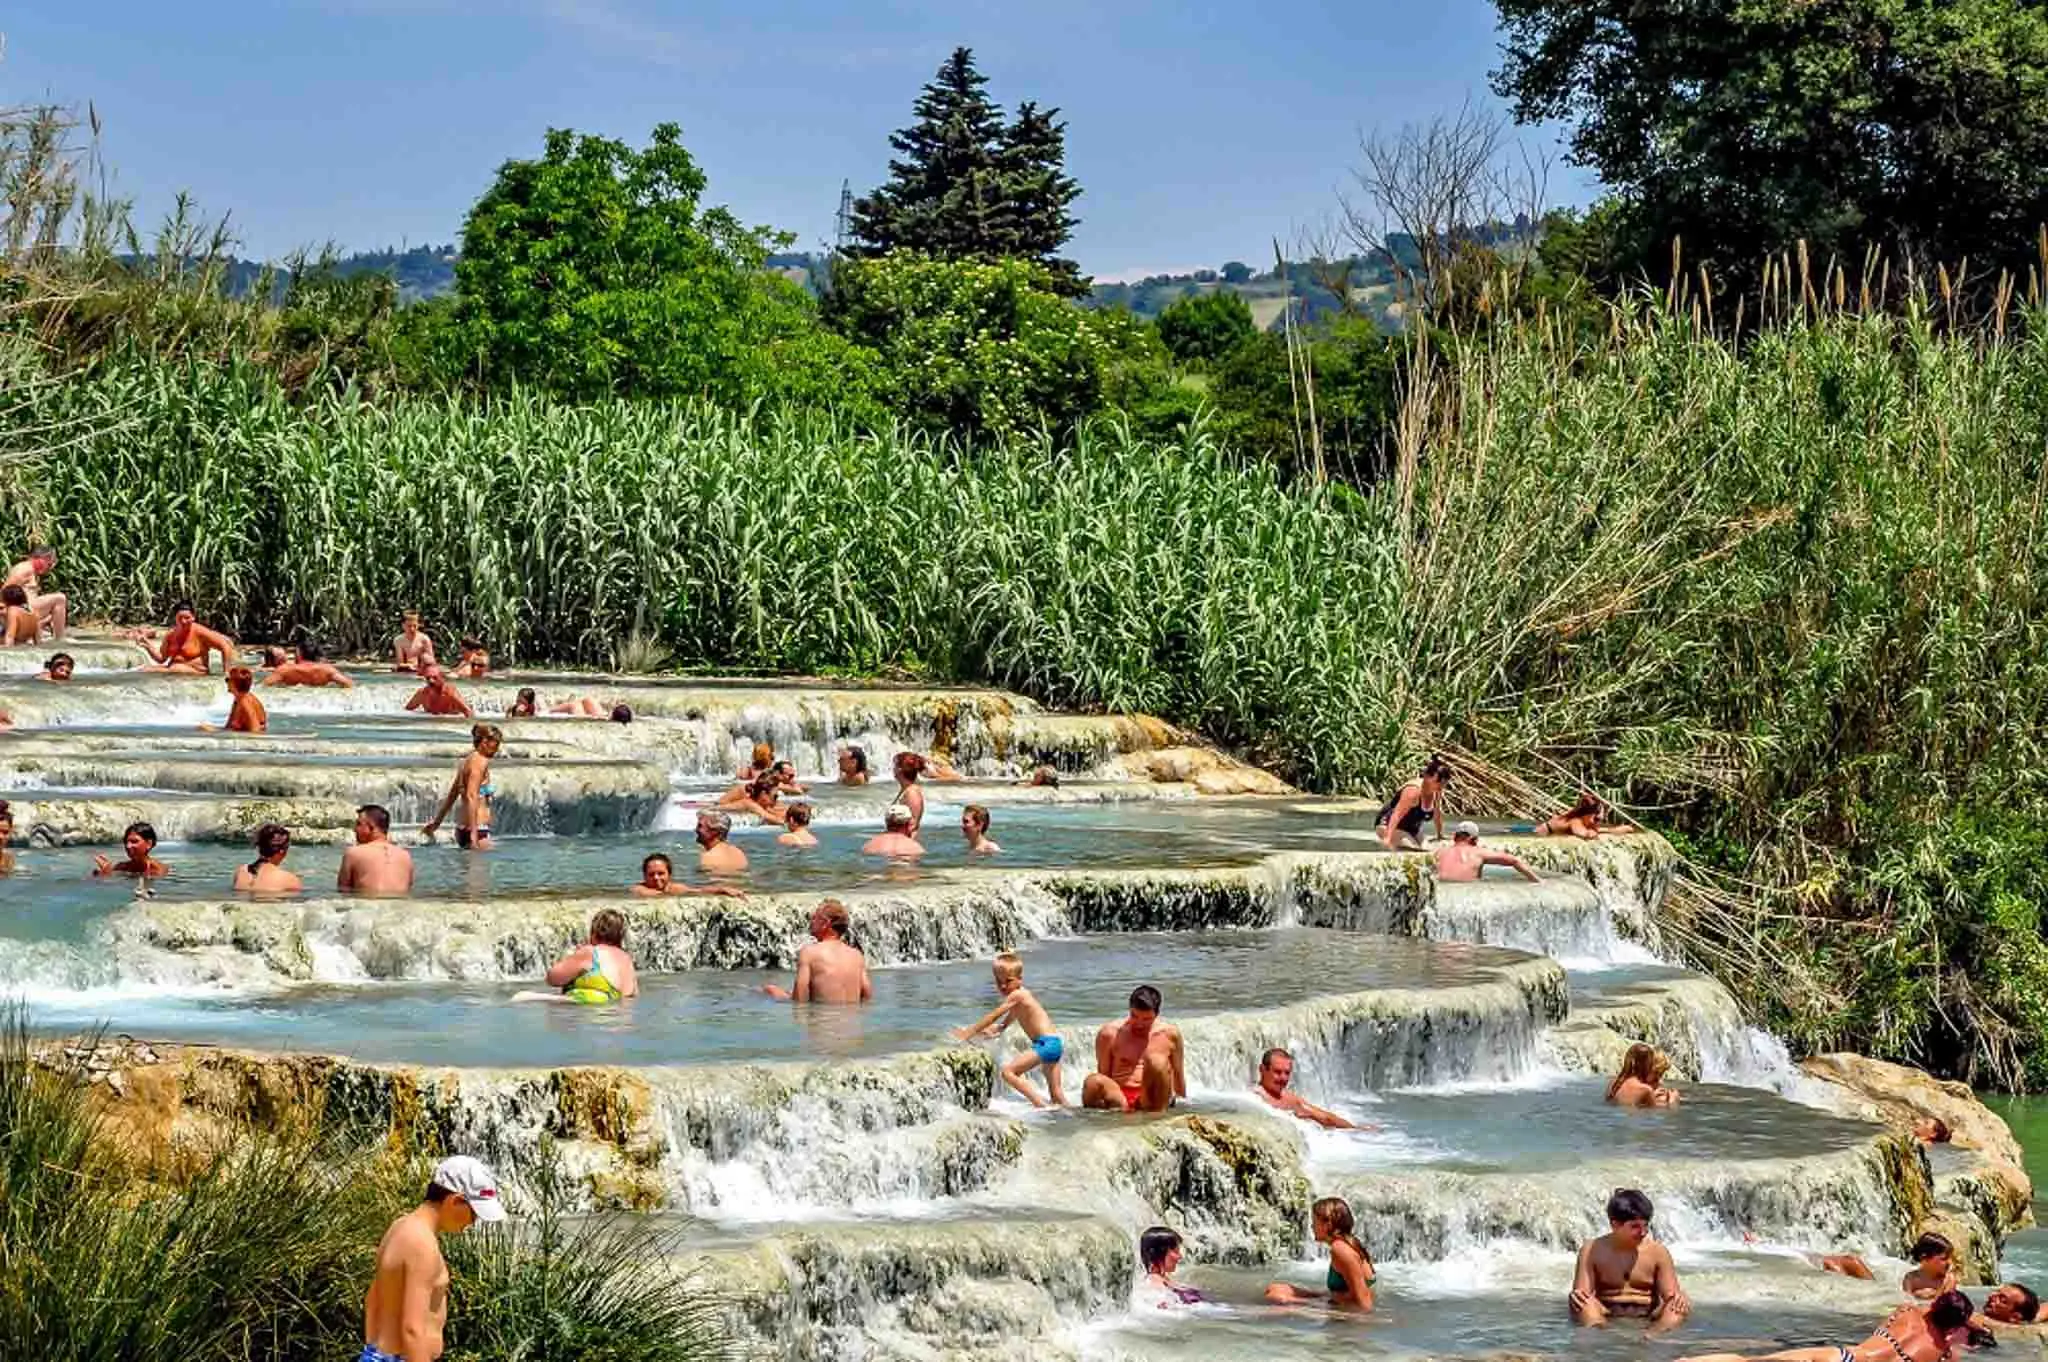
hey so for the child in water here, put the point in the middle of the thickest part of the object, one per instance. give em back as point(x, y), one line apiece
point(798, 817)
point(1159, 1255)
point(1934, 1269)
point(1350, 1276)
point(1020, 1006)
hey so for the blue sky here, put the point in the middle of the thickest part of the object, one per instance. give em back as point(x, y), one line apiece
point(1199, 130)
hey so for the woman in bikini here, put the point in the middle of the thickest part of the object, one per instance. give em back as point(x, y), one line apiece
point(908, 766)
point(1582, 820)
point(1400, 819)
point(1350, 1277)
point(472, 786)
point(187, 644)
point(1930, 1333)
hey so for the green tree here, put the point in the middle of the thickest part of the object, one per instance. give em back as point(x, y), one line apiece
point(1741, 126)
point(1236, 272)
point(984, 348)
point(965, 185)
point(1206, 326)
point(595, 271)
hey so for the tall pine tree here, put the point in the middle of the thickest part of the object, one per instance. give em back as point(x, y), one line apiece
point(965, 185)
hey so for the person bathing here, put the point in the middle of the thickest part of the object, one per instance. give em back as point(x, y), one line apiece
point(1021, 1006)
point(599, 971)
point(1400, 820)
point(1350, 1277)
point(1640, 1083)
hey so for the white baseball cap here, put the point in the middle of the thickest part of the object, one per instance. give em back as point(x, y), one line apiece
point(473, 1181)
point(1466, 829)
point(897, 813)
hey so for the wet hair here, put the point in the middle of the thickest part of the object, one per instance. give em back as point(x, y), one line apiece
point(1047, 776)
point(66, 658)
point(1628, 1204)
point(183, 608)
point(860, 758)
point(716, 821)
point(1931, 1245)
point(608, 927)
point(15, 595)
point(651, 857)
point(479, 734)
point(799, 814)
point(979, 814)
point(1436, 766)
point(142, 830)
point(1009, 965)
point(274, 656)
point(1938, 1131)
point(622, 714)
point(1154, 1244)
point(523, 704)
point(271, 839)
point(1145, 998)
point(311, 651)
point(1644, 1063)
point(762, 756)
point(837, 918)
point(764, 784)
point(379, 816)
point(1266, 1060)
point(1587, 805)
point(1335, 1212)
point(2030, 1304)
point(1950, 1310)
point(908, 765)
point(240, 679)
point(472, 644)
point(784, 766)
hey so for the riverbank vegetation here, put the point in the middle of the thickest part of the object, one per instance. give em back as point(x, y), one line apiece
point(262, 1246)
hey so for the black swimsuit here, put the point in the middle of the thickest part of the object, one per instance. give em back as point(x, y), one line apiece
point(1411, 822)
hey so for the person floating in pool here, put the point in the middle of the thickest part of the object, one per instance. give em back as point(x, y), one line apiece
point(831, 968)
point(1934, 1332)
point(18, 626)
point(1640, 1082)
point(1276, 1071)
point(974, 821)
point(266, 874)
point(2012, 1304)
point(797, 818)
point(1933, 1270)
point(853, 765)
point(1464, 860)
point(599, 970)
point(1350, 1277)
point(475, 659)
point(1021, 1006)
point(472, 789)
point(58, 668)
point(718, 855)
point(138, 840)
point(658, 880)
point(435, 696)
point(412, 650)
point(245, 712)
point(1159, 1252)
point(375, 865)
point(310, 668)
point(51, 608)
point(895, 838)
point(1140, 1062)
point(1400, 820)
point(1585, 820)
point(187, 646)
point(1626, 1274)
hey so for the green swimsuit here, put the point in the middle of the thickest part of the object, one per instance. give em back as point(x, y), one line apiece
point(593, 986)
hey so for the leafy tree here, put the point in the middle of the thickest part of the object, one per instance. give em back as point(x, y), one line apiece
point(1741, 126)
point(594, 271)
point(1236, 272)
point(965, 185)
point(984, 348)
point(1206, 327)
point(1262, 413)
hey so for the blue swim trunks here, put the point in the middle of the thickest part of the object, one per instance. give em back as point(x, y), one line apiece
point(372, 1353)
point(1048, 1049)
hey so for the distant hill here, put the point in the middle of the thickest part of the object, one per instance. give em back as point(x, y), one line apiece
point(421, 272)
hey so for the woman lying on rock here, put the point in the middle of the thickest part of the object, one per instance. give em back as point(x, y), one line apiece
point(1929, 1333)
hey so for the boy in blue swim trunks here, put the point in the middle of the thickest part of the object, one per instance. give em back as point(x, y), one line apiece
point(1021, 1007)
point(408, 1302)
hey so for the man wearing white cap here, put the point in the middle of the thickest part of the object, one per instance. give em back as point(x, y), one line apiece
point(408, 1302)
point(896, 837)
point(1464, 860)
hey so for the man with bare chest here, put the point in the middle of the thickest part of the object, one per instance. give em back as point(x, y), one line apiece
point(1625, 1273)
point(1139, 1063)
point(408, 1303)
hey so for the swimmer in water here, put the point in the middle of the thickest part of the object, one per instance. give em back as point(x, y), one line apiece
point(187, 645)
point(1276, 1071)
point(375, 865)
point(1640, 1083)
point(1583, 820)
point(1400, 819)
point(475, 660)
point(58, 668)
point(1350, 1277)
point(1021, 1006)
point(435, 696)
point(1625, 1273)
point(785, 777)
point(471, 786)
point(974, 827)
point(20, 626)
point(266, 874)
point(797, 819)
point(138, 840)
point(658, 880)
point(1159, 1253)
point(599, 971)
point(1934, 1268)
point(758, 763)
point(525, 706)
point(311, 669)
point(245, 712)
point(1464, 860)
point(1934, 1332)
point(1047, 777)
point(1140, 1062)
point(894, 839)
point(908, 766)
point(831, 968)
point(718, 855)
point(412, 650)
point(853, 766)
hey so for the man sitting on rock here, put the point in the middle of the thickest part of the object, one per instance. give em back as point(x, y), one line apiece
point(1140, 1065)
